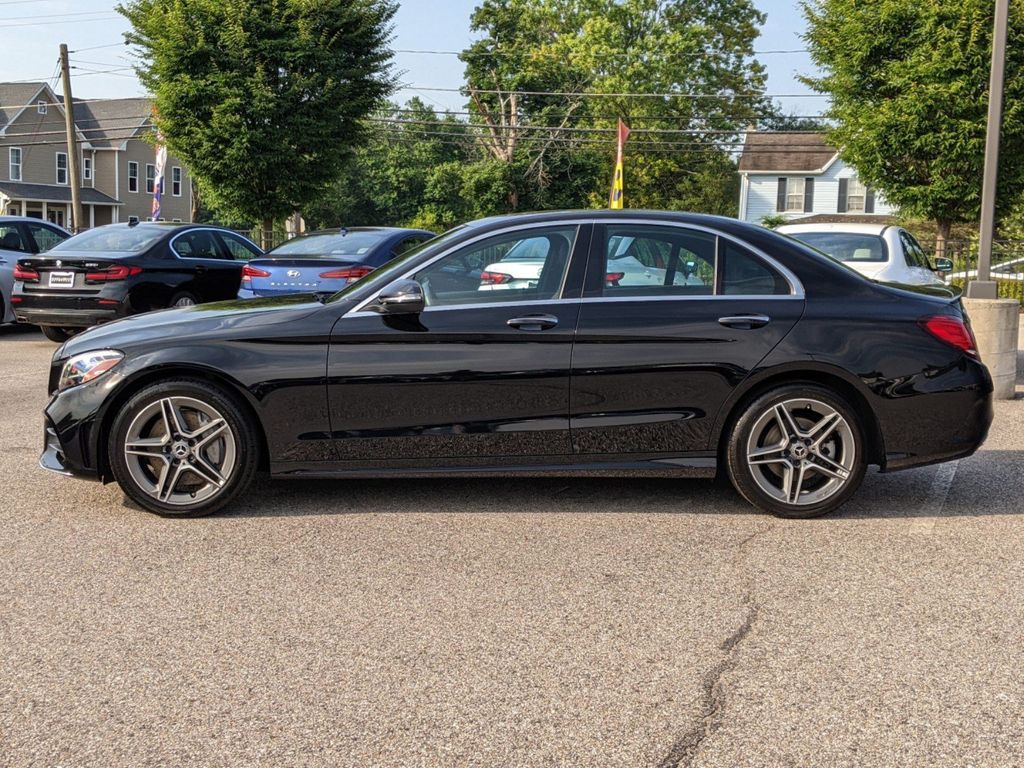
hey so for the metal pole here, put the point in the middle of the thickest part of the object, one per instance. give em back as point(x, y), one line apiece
point(69, 123)
point(983, 287)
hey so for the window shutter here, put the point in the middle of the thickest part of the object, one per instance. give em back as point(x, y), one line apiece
point(780, 203)
point(844, 194)
point(808, 194)
point(869, 201)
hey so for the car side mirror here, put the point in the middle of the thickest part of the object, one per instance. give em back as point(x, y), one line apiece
point(402, 297)
point(942, 265)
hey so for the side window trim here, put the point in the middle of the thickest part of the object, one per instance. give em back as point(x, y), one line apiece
point(225, 237)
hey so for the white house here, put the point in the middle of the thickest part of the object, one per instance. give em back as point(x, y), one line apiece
point(797, 175)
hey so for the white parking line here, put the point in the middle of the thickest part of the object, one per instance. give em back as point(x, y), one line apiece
point(942, 483)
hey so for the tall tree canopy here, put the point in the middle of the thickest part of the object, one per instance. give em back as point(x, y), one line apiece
point(691, 59)
point(909, 87)
point(263, 98)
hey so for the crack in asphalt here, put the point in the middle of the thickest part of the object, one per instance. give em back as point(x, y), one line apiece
point(686, 747)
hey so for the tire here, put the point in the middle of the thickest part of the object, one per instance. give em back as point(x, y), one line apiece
point(815, 469)
point(53, 333)
point(183, 448)
point(183, 299)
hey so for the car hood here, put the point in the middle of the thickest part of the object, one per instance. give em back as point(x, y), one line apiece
point(219, 319)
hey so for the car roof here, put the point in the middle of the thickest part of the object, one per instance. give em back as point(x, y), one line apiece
point(350, 230)
point(851, 228)
point(28, 220)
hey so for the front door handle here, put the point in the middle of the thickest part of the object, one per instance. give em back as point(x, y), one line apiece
point(533, 322)
point(744, 322)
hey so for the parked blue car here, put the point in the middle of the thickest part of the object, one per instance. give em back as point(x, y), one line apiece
point(326, 261)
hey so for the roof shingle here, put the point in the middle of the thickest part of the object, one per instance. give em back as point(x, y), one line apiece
point(785, 151)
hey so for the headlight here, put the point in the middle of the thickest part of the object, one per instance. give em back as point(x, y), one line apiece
point(87, 366)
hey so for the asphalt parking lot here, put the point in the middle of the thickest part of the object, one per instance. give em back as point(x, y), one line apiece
point(512, 622)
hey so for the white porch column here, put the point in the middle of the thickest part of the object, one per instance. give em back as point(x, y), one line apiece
point(92, 215)
point(45, 210)
point(67, 219)
point(24, 208)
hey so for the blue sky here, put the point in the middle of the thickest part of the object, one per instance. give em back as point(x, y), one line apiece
point(33, 30)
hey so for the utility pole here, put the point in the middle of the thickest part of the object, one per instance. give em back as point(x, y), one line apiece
point(69, 122)
point(983, 287)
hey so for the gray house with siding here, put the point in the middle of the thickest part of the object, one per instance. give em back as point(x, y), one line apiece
point(117, 164)
point(798, 176)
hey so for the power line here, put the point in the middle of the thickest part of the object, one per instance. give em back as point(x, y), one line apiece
point(62, 15)
point(56, 21)
point(58, 142)
point(134, 120)
point(98, 47)
point(595, 94)
point(575, 129)
point(561, 54)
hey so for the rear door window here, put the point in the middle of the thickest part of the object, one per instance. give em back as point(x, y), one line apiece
point(45, 237)
point(664, 261)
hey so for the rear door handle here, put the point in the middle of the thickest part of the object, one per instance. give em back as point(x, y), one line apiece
point(200, 268)
point(533, 322)
point(744, 322)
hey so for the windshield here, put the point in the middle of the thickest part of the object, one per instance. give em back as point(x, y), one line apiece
point(117, 239)
point(354, 245)
point(846, 246)
point(394, 268)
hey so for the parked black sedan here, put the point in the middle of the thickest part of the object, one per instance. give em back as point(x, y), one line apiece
point(772, 363)
point(125, 269)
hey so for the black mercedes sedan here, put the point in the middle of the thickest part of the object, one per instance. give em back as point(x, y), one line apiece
point(124, 269)
point(742, 351)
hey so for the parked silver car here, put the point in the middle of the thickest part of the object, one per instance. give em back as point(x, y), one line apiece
point(878, 251)
point(22, 236)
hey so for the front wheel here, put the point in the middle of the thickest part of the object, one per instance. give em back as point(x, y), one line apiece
point(183, 448)
point(183, 299)
point(797, 451)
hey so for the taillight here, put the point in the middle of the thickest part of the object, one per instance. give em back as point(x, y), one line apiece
point(612, 278)
point(494, 278)
point(251, 272)
point(351, 274)
point(25, 274)
point(116, 272)
point(952, 331)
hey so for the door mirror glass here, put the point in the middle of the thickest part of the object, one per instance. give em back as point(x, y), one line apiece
point(943, 265)
point(402, 297)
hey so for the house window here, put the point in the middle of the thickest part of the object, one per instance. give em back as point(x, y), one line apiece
point(87, 168)
point(15, 161)
point(795, 195)
point(856, 196)
point(133, 176)
point(41, 107)
point(150, 178)
point(176, 181)
point(62, 167)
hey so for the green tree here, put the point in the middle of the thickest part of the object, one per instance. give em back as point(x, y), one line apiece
point(262, 98)
point(909, 87)
point(385, 181)
point(699, 53)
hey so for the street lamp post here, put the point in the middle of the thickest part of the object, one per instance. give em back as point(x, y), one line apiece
point(983, 287)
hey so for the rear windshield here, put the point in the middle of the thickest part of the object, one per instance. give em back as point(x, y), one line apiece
point(846, 246)
point(113, 240)
point(355, 245)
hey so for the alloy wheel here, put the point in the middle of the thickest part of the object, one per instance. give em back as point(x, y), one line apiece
point(801, 452)
point(185, 301)
point(180, 451)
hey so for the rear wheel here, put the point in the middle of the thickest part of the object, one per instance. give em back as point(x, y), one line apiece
point(183, 448)
point(53, 333)
point(183, 299)
point(797, 451)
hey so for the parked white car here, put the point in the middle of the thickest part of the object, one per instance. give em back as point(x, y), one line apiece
point(628, 265)
point(878, 251)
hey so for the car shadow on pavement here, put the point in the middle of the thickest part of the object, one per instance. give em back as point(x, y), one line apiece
point(16, 332)
point(981, 485)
